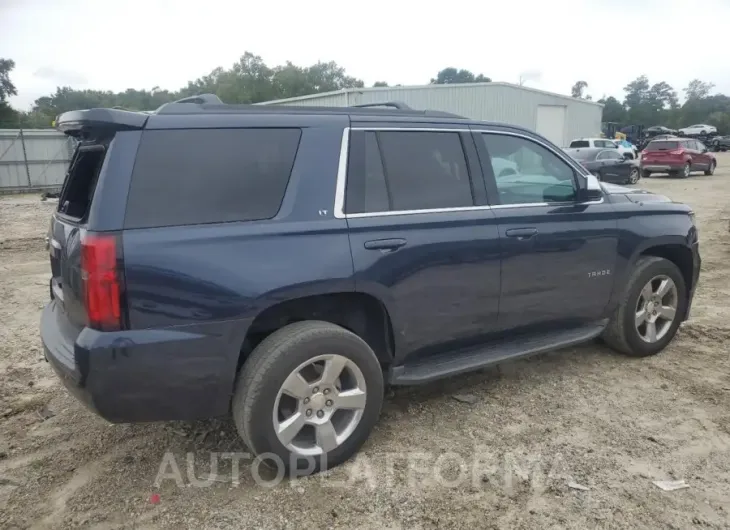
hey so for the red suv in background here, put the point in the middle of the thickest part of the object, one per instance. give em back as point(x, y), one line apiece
point(677, 156)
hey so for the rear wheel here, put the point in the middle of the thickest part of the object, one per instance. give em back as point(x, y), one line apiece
point(308, 396)
point(684, 172)
point(710, 170)
point(650, 312)
point(633, 176)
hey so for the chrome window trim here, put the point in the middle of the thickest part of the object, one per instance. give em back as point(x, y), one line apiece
point(340, 186)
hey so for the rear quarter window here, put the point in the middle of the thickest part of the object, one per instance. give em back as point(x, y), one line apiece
point(579, 143)
point(187, 177)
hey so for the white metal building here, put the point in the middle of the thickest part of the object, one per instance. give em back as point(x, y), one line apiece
point(557, 117)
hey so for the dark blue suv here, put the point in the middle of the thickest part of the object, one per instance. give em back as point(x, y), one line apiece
point(283, 264)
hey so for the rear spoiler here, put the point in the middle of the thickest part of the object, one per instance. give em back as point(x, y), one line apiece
point(80, 123)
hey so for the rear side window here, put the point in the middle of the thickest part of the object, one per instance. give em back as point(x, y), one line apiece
point(579, 143)
point(78, 189)
point(198, 176)
point(403, 170)
point(662, 146)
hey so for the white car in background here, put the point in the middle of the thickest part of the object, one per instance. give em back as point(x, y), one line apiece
point(698, 130)
point(625, 148)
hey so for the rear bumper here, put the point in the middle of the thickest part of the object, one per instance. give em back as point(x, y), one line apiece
point(141, 375)
point(696, 265)
point(662, 167)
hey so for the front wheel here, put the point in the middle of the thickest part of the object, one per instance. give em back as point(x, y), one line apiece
point(651, 310)
point(710, 170)
point(308, 396)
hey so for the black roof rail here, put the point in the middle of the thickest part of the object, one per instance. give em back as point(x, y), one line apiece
point(210, 103)
point(395, 104)
point(200, 99)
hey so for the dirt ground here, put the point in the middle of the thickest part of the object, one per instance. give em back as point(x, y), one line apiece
point(507, 455)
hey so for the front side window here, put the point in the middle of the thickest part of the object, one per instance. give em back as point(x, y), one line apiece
point(406, 170)
point(608, 155)
point(540, 175)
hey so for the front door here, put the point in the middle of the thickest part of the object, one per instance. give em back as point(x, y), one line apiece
point(422, 237)
point(558, 255)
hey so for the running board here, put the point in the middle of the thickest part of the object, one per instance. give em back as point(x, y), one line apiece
point(447, 364)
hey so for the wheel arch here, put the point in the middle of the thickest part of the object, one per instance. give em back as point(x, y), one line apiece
point(361, 313)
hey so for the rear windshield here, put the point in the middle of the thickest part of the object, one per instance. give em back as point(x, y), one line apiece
point(579, 143)
point(80, 183)
point(186, 177)
point(662, 146)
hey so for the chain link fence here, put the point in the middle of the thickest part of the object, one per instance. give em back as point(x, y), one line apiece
point(33, 159)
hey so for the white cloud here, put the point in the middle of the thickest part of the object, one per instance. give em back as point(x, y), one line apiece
point(140, 44)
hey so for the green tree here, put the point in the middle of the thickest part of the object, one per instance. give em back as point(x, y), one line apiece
point(380, 84)
point(452, 75)
point(8, 116)
point(577, 89)
point(613, 110)
point(649, 104)
point(697, 89)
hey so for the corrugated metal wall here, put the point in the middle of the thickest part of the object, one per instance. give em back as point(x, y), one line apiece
point(33, 159)
point(500, 102)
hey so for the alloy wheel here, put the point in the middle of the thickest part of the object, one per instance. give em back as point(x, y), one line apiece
point(319, 405)
point(656, 308)
point(634, 176)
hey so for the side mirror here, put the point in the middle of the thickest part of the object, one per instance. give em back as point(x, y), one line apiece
point(591, 190)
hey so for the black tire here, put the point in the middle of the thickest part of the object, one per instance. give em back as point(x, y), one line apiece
point(684, 172)
point(710, 170)
point(645, 174)
point(621, 333)
point(633, 176)
point(272, 362)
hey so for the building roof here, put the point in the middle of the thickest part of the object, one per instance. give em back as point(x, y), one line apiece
point(430, 87)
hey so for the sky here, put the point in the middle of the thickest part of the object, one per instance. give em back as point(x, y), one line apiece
point(115, 44)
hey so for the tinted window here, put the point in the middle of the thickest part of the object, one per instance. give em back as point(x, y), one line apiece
point(366, 187)
point(579, 143)
point(541, 175)
point(184, 177)
point(662, 146)
point(609, 155)
point(423, 170)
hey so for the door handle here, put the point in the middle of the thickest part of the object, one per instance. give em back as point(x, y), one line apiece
point(385, 244)
point(521, 233)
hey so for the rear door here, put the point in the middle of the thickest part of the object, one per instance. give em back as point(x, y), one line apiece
point(703, 155)
point(558, 255)
point(422, 237)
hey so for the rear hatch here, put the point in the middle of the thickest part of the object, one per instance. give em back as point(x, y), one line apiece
point(660, 150)
point(86, 278)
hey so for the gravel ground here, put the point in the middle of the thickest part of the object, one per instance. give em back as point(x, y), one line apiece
point(509, 453)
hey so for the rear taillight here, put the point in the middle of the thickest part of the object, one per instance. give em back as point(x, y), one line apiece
point(101, 281)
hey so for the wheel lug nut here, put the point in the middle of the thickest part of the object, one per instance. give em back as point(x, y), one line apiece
point(309, 412)
point(320, 413)
point(326, 391)
point(315, 390)
point(306, 400)
point(329, 403)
